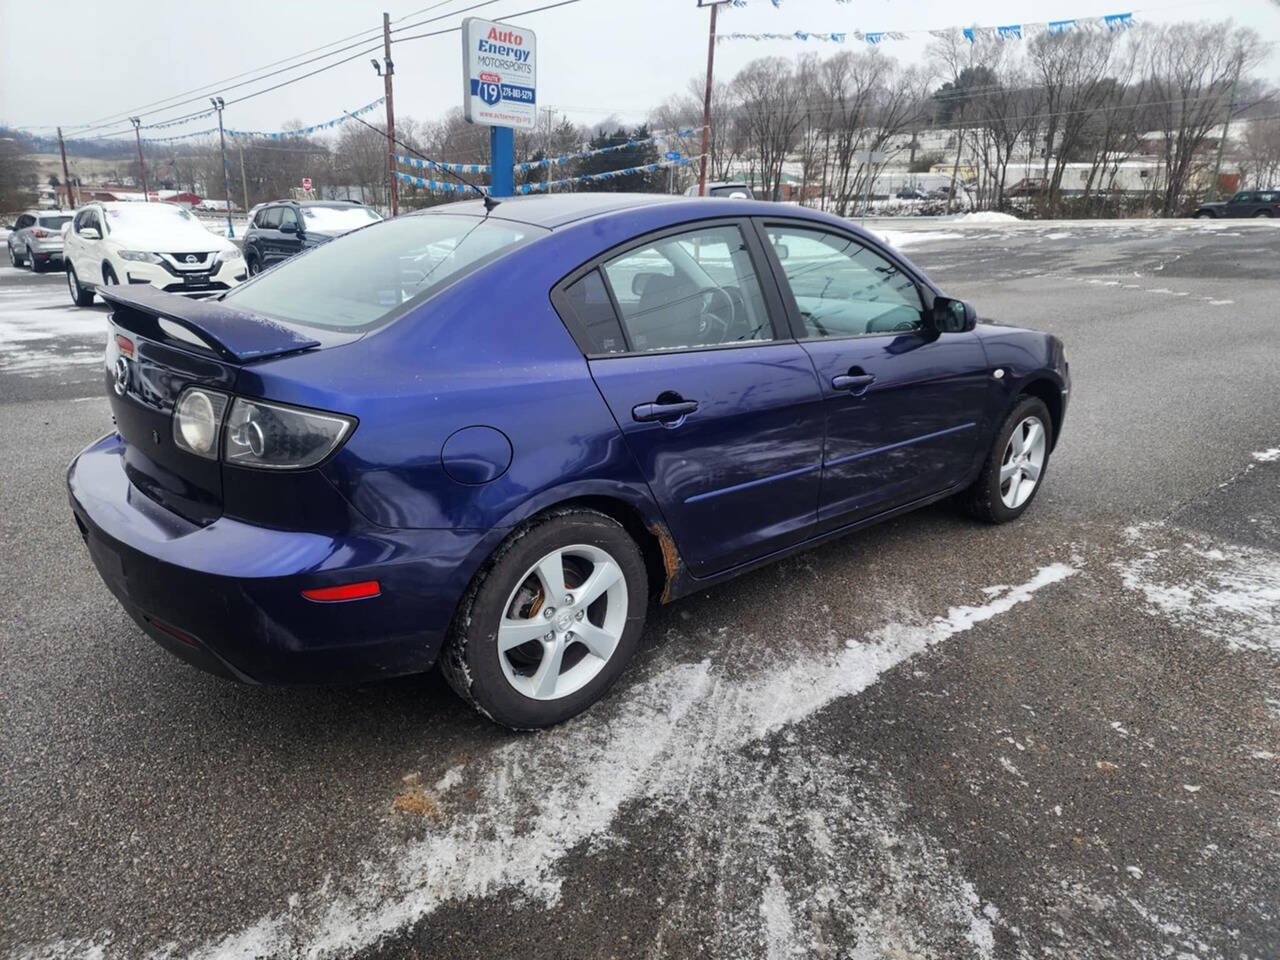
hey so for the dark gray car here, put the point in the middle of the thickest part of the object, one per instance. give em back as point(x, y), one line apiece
point(284, 229)
point(1246, 203)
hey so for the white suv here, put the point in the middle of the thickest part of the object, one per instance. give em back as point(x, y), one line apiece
point(157, 243)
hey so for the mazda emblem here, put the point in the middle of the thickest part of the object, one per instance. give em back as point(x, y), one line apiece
point(191, 258)
point(122, 376)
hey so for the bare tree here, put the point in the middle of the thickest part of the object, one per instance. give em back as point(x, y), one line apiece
point(770, 114)
point(1188, 72)
point(1071, 69)
point(1261, 153)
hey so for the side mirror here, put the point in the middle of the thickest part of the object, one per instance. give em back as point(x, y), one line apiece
point(780, 249)
point(288, 228)
point(90, 233)
point(11, 226)
point(953, 316)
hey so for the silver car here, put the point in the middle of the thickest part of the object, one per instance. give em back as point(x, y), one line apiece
point(35, 238)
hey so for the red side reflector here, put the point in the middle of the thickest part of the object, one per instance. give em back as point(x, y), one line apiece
point(174, 632)
point(348, 591)
point(125, 345)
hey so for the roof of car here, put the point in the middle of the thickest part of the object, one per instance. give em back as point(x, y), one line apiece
point(344, 204)
point(560, 209)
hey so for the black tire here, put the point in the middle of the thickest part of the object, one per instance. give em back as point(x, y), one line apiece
point(35, 265)
point(79, 295)
point(1262, 213)
point(1205, 215)
point(251, 264)
point(14, 259)
point(109, 276)
point(470, 657)
point(983, 499)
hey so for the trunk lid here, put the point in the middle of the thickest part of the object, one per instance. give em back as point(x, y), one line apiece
point(159, 345)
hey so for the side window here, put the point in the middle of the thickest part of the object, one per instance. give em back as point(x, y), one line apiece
point(593, 313)
point(78, 223)
point(694, 289)
point(288, 217)
point(842, 288)
point(25, 221)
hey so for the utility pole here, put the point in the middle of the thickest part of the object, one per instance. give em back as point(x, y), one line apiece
point(218, 104)
point(389, 69)
point(142, 167)
point(66, 174)
point(706, 100)
point(1214, 189)
point(244, 183)
point(546, 153)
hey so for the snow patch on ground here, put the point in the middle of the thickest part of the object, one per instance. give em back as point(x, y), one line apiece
point(40, 329)
point(1271, 455)
point(899, 239)
point(985, 216)
point(679, 741)
point(1228, 592)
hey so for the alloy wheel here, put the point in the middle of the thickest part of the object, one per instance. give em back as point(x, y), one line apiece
point(562, 622)
point(1023, 462)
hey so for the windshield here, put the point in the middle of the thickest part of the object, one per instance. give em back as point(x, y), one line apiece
point(53, 223)
point(359, 280)
point(337, 218)
point(144, 216)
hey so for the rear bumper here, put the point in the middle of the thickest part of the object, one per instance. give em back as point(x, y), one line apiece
point(227, 597)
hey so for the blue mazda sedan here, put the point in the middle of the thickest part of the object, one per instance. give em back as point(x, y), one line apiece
point(489, 438)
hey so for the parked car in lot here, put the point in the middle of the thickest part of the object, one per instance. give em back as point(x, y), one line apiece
point(912, 193)
point(157, 244)
point(489, 439)
point(1245, 203)
point(35, 238)
point(723, 189)
point(284, 229)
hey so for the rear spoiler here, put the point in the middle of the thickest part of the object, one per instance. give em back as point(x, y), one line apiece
point(235, 335)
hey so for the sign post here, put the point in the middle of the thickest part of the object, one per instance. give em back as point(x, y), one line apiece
point(499, 78)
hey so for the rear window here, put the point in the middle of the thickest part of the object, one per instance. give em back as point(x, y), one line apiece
point(362, 279)
point(337, 218)
point(54, 223)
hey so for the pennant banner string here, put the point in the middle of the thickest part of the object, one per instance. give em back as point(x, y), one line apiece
point(539, 187)
point(261, 135)
point(567, 158)
point(308, 131)
point(419, 164)
point(1111, 23)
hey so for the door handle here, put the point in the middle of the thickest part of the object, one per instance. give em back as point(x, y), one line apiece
point(853, 382)
point(645, 412)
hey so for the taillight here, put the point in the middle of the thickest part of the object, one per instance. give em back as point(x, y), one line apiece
point(272, 436)
point(266, 436)
point(39, 234)
point(196, 418)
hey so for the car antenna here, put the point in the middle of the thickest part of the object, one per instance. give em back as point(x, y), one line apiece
point(489, 201)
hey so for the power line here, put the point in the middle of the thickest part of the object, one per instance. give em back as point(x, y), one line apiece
point(113, 118)
point(330, 66)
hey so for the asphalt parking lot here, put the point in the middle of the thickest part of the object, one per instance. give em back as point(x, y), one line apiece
point(934, 739)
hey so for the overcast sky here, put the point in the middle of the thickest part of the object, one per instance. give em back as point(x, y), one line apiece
point(77, 61)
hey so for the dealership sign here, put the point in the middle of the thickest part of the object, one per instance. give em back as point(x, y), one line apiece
point(499, 74)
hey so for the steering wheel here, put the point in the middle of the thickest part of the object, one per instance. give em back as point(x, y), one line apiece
point(716, 314)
